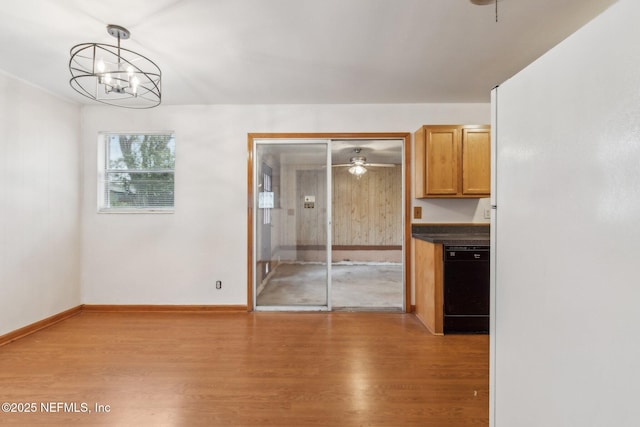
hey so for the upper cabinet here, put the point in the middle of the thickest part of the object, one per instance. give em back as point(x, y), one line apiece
point(453, 161)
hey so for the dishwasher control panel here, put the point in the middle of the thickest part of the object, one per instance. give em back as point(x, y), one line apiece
point(466, 253)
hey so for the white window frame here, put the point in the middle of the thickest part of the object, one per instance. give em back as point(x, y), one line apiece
point(103, 171)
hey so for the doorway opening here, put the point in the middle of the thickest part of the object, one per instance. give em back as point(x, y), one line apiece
point(323, 233)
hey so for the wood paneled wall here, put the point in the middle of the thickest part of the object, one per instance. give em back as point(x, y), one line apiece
point(368, 210)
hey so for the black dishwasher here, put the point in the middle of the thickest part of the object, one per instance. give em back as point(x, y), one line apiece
point(466, 289)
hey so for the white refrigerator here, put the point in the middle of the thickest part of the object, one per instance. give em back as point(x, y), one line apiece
point(565, 320)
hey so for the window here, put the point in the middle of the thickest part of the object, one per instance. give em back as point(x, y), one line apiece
point(137, 172)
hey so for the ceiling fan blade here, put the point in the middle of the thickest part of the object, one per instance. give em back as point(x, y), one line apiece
point(342, 165)
point(380, 165)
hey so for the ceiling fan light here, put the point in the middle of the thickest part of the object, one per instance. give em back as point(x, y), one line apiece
point(358, 160)
point(357, 170)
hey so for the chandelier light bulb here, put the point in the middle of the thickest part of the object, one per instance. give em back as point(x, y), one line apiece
point(100, 66)
point(134, 85)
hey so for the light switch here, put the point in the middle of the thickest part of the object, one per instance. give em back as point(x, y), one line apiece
point(309, 202)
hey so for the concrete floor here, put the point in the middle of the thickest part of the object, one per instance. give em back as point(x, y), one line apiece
point(376, 287)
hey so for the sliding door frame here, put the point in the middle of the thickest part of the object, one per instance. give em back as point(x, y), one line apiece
point(406, 142)
point(297, 144)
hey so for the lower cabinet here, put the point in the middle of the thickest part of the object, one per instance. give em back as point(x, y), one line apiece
point(428, 284)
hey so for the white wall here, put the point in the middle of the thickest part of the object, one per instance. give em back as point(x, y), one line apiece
point(567, 288)
point(176, 258)
point(452, 210)
point(39, 204)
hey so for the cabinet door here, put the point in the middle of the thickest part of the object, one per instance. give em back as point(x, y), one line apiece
point(476, 161)
point(428, 284)
point(442, 160)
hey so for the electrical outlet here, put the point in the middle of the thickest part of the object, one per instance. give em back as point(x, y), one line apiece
point(417, 212)
point(218, 284)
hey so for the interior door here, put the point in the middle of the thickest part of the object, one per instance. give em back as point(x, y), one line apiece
point(367, 225)
point(292, 225)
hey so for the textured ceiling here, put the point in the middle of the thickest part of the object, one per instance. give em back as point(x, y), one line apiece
point(297, 51)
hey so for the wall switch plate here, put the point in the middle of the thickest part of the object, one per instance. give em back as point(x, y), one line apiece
point(487, 213)
point(309, 202)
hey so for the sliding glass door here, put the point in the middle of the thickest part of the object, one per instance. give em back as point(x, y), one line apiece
point(292, 228)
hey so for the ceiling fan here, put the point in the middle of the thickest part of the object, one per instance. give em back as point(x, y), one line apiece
point(358, 164)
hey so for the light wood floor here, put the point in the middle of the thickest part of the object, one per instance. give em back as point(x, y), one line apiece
point(247, 369)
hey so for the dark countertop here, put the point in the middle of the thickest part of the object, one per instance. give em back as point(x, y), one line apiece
point(452, 234)
point(478, 239)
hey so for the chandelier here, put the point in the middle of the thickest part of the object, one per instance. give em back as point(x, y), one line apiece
point(114, 75)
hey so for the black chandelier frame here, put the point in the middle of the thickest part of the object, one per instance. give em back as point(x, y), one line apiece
point(114, 75)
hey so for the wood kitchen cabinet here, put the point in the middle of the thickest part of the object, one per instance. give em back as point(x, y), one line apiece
point(428, 285)
point(453, 161)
